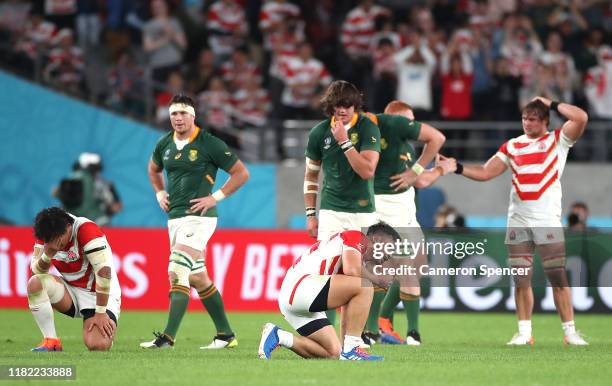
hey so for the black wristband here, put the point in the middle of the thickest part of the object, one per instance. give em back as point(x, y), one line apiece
point(554, 106)
point(459, 168)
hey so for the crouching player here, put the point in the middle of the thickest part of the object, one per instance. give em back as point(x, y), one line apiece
point(327, 276)
point(87, 286)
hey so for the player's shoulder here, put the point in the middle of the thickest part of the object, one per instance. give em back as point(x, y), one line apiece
point(354, 239)
point(165, 139)
point(321, 127)
point(366, 120)
point(206, 139)
point(87, 230)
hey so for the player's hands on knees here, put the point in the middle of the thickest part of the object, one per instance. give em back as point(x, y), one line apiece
point(103, 323)
point(403, 180)
point(163, 200)
point(202, 204)
point(448, 165)
point(339, 132)
point(312, 225)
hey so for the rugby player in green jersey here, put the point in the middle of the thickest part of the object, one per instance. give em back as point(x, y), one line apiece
point(346, 147)
point(398, 170)
point(191, 158)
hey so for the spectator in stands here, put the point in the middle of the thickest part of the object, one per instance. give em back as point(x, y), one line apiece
point(522, 47)
point(598, 85)
point(416, 65)
point(62, 13)
point(174, 85)
point(164, 41)
point(457, 77)
point(480, 52)
point(546, 83)
point(227, 28)
point(201, 72)
point(126, 82)
point(506, 88)
point(271, 15)
point(357, 32)
point(578, 217)
point(88, 22)
point(215, 106)
point(385, 74)
point(85, 192)
point(587, 56)
point(236, 71)
point(65, 69)
point(305, 77)
point(33, 43)
point(562, 63)
point(251, 105)
point(570, 23)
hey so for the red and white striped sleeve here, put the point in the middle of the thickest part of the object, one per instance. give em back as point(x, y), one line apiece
point(502, 153)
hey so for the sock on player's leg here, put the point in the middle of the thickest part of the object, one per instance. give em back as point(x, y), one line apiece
point(390, 302)
point(40, 305)
point(212, 301)
point(412, 308)
point(569, 327)
point(179, 299)
point(285, 338)
point(350, 342)
point(372, 322)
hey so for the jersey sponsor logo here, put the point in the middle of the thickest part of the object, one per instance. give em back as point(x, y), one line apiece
point(373, 139)
point(178, 155)
point(383, 143)
point(363, 202)
point(327, 142)
point(193, 155)
point(409, 156)
point(228, 153)
point(354, 138)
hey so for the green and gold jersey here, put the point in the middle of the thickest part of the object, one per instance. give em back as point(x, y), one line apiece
point(191, 171)
point(396, 154)
point(343, 190)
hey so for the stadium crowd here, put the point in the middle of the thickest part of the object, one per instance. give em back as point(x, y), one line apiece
point(249, 62)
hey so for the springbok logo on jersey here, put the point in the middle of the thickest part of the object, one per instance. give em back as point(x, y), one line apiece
point(193, 155)
point(383, 144)
point(354, 138)
point(327, 142)
point(68, 257)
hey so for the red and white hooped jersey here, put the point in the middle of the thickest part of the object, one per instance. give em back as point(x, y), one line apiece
point(71, 262)
point(325, 256)
point(537, 166)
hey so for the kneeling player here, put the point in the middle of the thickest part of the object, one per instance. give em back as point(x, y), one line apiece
point(327, 276)
point(87, 286)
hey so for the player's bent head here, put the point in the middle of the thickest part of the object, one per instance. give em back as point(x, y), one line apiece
point(51, 223)
point(399, 108)
point(537, 109)
point(379, 234)
point(341, 93)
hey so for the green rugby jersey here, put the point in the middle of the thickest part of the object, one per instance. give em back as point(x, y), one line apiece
point(343, 190)
point(396, 153)
point(191, 171)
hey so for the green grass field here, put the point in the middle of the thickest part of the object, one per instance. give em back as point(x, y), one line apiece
point(459, 349)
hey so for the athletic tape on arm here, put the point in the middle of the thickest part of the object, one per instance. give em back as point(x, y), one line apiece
point(99, 254)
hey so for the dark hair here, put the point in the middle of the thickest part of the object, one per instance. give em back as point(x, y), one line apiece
point(383, 228)
point(537, 108)
point(579, 204)
point(341, 93)
point(184, 99)
point(51, 223)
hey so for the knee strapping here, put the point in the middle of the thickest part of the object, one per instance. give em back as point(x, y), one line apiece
point(520, 260)
point(180, 264)
point(52, 291)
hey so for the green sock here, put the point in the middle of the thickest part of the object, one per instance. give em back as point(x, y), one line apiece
point(412, 306)
point(211, 299)
point(331, 316)
point(178, 306)
point(372, 323)
point(391, 300)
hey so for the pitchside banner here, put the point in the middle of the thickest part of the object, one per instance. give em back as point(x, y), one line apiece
point(248, 267)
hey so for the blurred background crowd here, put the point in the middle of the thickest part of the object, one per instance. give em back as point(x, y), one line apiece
point(254, 63)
